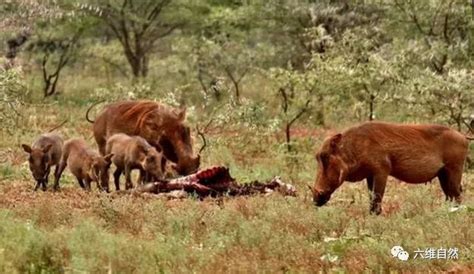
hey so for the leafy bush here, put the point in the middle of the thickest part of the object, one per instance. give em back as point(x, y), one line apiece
point(12, 96)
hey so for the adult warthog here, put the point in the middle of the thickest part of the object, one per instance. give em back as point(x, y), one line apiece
point(161, 126)
point(411, 153)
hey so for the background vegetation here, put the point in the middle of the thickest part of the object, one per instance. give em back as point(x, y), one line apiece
point(267, 81)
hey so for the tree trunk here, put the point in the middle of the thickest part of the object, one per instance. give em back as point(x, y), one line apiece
point(144, 68)
point(237, 90)
point(51, 79)
point(139, 65)
point(371, 107)
point(288, 136)
point(135, 65)
point(50, 86)
point(235, 82)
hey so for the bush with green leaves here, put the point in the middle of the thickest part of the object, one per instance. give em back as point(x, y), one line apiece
point(12, 95)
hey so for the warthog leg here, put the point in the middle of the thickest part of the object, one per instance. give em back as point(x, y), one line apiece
point(450, 180)
point(58, 172)
point(81, 183)
point(370, 184)
point(128, 178)
point(379, 183)
point(117, 174)
point(38, 184)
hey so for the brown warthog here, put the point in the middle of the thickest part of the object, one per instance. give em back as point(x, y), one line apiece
point(45, 152)
point(161, 126)
point(85, 164)
point(134, 152)
point(411, 153)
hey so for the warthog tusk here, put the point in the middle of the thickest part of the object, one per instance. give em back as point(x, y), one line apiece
point(310, 188)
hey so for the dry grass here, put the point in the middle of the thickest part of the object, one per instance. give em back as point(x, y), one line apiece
point(98, 232)
point(74, 231)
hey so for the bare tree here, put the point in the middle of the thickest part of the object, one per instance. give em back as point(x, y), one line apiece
point(202, 133)
point(57, 54)
point(236, 78)
point(291, 120)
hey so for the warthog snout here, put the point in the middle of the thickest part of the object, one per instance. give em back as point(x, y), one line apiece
point(188, 166)
point(320, 199)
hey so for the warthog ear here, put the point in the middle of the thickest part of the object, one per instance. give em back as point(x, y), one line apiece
point(336, 140)
point(108, 158)
point(26, 148)
point(47, 148)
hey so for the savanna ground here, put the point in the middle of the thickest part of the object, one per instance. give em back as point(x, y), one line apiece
point(75, 231)
point(246, 71)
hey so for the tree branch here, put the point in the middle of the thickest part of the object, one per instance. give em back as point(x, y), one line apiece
point(285, 99)
point(446, 24)
point(302, 111)
point(435, 17)
point(154, 15)
point(43, 66)
point(234, 81)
